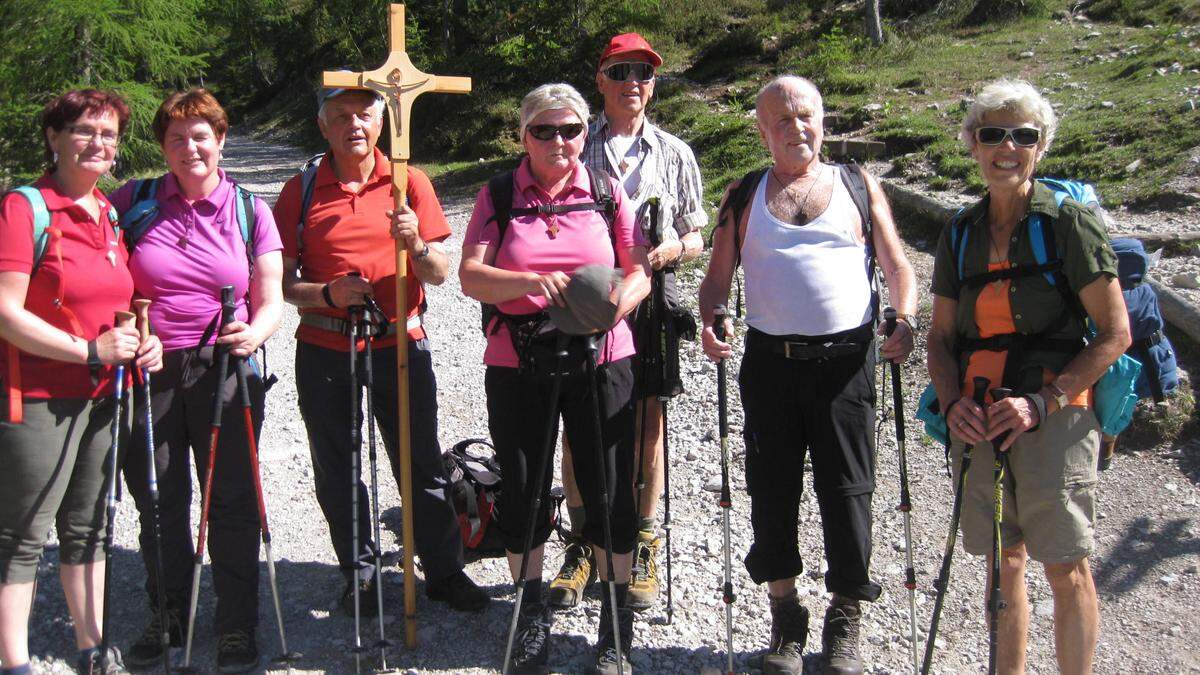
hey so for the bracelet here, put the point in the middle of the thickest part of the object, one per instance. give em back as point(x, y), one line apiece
point(93, 355)
point(328, 296)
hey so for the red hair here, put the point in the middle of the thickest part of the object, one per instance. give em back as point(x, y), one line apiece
point(182, 105)
point(74, 104)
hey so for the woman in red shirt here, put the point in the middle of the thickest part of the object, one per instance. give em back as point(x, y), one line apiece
point(56, 320)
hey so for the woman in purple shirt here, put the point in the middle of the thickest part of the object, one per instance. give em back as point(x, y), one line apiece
point(192, 248)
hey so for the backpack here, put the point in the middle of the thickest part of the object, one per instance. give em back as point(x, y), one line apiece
point(500, 188)
point(42, 234)
point(474, 477)
point(856, 185)
point(1150, 345)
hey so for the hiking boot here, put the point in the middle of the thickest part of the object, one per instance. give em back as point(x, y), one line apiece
point(643, 585)
point(1108, 445)
point(458, 591)
point(368, 605)
point(237, 651)
point(839, 638)
point(90, 662)
point(147, 649)
point(578, 570)
point(789, 634)
point(531, 644)
point(607, 654)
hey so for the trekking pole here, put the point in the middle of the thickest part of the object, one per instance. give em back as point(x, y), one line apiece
point(660, 300)
point(995, 601)
point(726, 501)
point(221, 353)
point(355, 471)
point(905, 506)
point(141, 308)
point(535, 486)
point(593, 349)
point(285, 657)
point(943, 579)
point(112, 491)
point(373, 311)
point(656, 280)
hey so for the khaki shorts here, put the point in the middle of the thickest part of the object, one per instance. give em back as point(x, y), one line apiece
point(1049, 490)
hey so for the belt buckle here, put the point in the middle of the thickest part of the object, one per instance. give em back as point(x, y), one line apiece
point(787, 350)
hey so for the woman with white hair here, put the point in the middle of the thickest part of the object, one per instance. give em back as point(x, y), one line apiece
point(558, 221)
point(1000, 315)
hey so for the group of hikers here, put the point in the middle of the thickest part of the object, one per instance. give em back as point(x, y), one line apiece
point(562, 252)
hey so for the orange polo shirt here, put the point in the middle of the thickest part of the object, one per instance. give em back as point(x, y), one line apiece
point(349, 231)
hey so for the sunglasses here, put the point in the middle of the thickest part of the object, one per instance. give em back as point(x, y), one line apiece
point(638, 72)
point(1023, 137)
point(546, 132)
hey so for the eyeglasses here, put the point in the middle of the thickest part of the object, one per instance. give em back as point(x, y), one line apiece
point(82, 132)
point(546, 132)
point(638, 72)
point(1023, 137)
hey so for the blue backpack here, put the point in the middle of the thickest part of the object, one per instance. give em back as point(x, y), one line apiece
point(1150, 346)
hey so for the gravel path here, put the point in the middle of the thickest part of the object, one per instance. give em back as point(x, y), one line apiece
point(1146, 565)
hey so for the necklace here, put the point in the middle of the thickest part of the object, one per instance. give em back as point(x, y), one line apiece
point(803, 204)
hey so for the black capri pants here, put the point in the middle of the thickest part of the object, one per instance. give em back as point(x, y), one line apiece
point(519, 407)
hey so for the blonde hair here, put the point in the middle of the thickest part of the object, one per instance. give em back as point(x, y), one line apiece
point(1013, 96)
point(552, 97)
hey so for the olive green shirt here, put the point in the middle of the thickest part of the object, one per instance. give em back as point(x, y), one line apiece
point(1082, 244)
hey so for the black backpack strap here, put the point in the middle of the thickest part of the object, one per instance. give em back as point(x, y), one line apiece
point(500, 189)
point(602, 194)
point(308, 183)
point(138, 218)
point(735, 205)
point(856, 185)
point(251, 225)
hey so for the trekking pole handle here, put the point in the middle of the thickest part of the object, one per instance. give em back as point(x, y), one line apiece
point(719, 314)
point(999, 394)
point(141, 308)
point(981, 389)
point(228, 305)
point(123, 319)
point(889, 320)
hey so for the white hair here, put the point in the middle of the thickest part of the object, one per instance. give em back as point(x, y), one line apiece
point(552, 97)
point(378, 105)
point(785, 85)
point(1017, 97)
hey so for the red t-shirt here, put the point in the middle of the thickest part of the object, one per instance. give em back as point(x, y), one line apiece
point(89, 262)
point(349, 232)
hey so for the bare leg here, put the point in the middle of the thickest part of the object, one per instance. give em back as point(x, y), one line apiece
point(623, 562)
point(652, 457)
point(16, 600)
point(1076, 615)
point(534, 570)
point(83, 586)
point(781, 588)
point(1014, 618)
point(573, 498)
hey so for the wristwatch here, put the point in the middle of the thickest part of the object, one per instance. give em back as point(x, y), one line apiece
point(423, 254)
point(914, 324)
point(1059, 396)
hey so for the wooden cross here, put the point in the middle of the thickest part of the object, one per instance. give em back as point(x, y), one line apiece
point(399, 82)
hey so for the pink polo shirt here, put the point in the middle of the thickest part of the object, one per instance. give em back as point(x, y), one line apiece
point(189, 253)
point(582, 238)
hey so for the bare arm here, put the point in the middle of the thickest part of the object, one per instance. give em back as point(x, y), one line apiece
point(1104, 304)
point(266, 307)
point(345, 290)
point(31, 334)
point(637, 279)
point(486, 283)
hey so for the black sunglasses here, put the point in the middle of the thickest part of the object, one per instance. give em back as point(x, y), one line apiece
point(545, 132)
point(1024, 137)
point(620, 72)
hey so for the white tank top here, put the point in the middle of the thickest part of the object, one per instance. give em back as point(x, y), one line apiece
point(806, 279)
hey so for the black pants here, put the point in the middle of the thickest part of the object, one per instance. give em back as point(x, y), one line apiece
point(181, 401)
point(324, 387)
point(825, 407)
point(519, 408)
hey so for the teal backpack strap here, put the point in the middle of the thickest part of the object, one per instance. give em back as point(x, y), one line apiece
point(41, 221)
point(1037, 238)
point(247, 220)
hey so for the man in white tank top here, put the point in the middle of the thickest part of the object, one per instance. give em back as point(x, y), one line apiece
point(807, 376)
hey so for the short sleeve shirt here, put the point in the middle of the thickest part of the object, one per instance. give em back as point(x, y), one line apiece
point(546, 243)
point(1035, 304)
point(349, 231)
point(88, 264)
point(190, 251)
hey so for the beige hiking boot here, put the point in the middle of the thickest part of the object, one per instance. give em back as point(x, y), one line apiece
point(643, 585)
point(578, 570)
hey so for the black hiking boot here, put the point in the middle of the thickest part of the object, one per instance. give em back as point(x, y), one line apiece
point(237, 651)
point(839, 638)
point(607, 654)
point(147, 649)
point(458, 591)
point(531, 644)
point(368, 604)
point(789, 634)
point(90, 662)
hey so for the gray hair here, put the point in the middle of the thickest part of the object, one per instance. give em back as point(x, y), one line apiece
point(786, 84)
point(379, 105)
point(552, 97)
point(1013, 96)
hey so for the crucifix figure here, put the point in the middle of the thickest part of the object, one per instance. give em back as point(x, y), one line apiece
point(399, 82)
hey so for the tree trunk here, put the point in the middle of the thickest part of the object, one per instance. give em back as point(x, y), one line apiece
point(84, 47)
point(874, 23)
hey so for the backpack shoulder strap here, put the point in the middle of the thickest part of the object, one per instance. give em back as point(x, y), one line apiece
point(138, 218)
point(500, 188)
point(1045, 250)
point(736, 205)
point(247, 219)
point(602, 193)
point(41, 221)
point(958, 241)
point(856, 185)
point(308, 182)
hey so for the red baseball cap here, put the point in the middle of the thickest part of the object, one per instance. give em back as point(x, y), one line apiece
point(630, 43)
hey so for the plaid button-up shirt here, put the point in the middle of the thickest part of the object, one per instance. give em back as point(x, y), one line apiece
point(668, 171)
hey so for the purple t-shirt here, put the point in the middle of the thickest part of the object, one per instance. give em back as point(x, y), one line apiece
point(189, 253)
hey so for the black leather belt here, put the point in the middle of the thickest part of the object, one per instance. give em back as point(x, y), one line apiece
point(804, 348)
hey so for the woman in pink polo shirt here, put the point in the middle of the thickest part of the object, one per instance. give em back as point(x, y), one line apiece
point(58, 347)
point(192, 247)
point(521, 272)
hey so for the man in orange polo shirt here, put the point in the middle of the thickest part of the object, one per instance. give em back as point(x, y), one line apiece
point(337, 251)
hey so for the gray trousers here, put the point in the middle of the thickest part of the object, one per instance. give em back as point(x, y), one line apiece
point(324, 387)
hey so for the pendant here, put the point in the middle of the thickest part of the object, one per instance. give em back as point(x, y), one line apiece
point(112, 258)
point(182, 242)
point(552, 229)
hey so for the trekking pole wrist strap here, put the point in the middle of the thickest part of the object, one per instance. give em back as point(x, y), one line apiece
point(93, 356)
point(328, 296)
